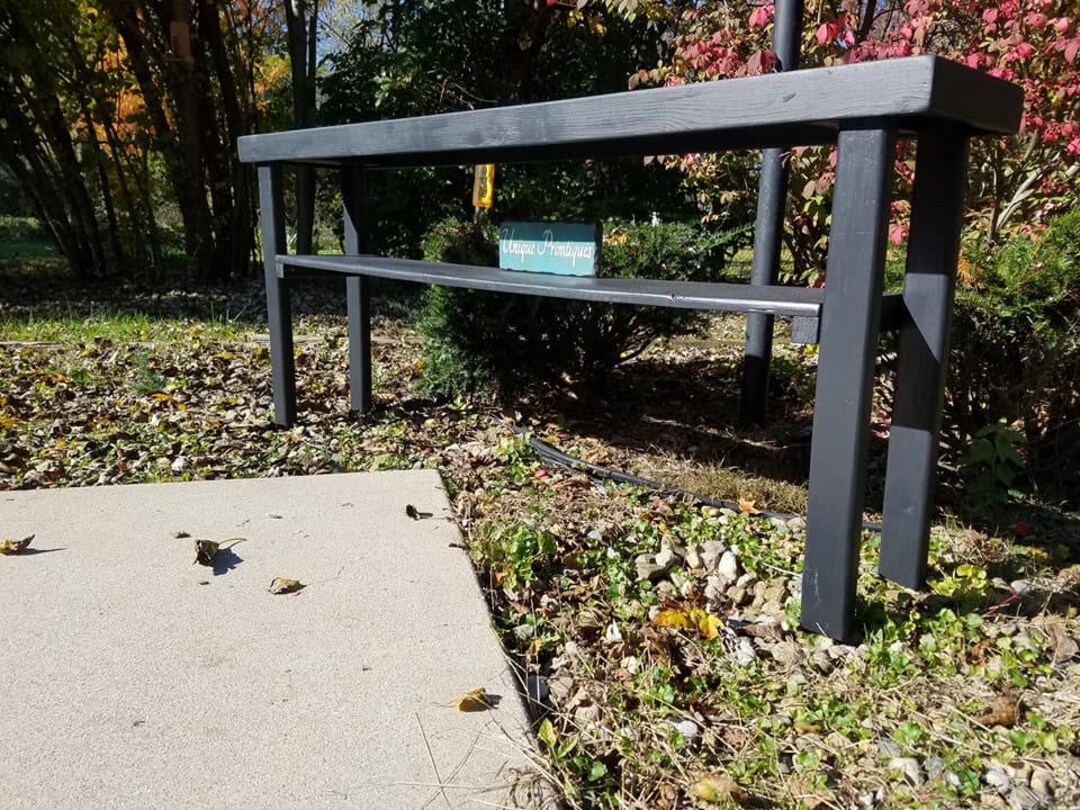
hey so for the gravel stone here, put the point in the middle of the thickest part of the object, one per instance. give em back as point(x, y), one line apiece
point(933, 766)
point(711, 552)
point(1043, 785)
point(996, 777)
point(648, 567)
point(737, 595)
point(728, 567)
point(775, 591)
point(909, 767)
point(667, 557)
point(1024, 798)
point(823, 662)
point(772, 608)
point(744, 652)
point(787, 653)
point(688, 728)
point(888, 748)
point(714, 589)
point(587, 714)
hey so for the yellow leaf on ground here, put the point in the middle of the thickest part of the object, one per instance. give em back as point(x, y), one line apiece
point(14, 546)
point(677, 618)
point(689, 618)
point(719, 787)
point(285, 585)
point(475, 700)
point(708, 625)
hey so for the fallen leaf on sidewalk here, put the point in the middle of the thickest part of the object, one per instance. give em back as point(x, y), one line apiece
point(205, 551)
point(285, 585)
point(475, 700)
point(415, 513)
point(9, 547)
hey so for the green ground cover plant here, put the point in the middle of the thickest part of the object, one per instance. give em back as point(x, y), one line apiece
point(656, 638)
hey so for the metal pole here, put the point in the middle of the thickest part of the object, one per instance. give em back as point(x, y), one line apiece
point(845, 379)
point(768, 228)
point(354, 191)
point(929, 284)
point(278, 307)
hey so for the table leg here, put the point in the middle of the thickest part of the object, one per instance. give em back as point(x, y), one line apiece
point(278, 307)
point(929, 284)
point(357, 295)
point(849, 333)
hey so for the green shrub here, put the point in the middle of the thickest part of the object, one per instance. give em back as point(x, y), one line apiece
point(1016, 352)
point(479, 341)
point(19, 227)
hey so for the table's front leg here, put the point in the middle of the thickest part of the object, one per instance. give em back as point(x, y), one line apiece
point(845, 378)
point(929, 284)
point(357, 295)
point(278, 306)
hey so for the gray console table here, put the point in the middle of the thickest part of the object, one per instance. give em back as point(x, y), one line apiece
point(863, 108)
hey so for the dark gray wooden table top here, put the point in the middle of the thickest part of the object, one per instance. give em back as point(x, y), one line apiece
point(800, 107)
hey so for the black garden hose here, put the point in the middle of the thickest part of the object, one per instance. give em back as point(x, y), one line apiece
point(566, 461)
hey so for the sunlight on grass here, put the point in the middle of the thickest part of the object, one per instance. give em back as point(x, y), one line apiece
point(118, 326)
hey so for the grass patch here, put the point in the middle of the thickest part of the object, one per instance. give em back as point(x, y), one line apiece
point(15, 248)
point(115, 325)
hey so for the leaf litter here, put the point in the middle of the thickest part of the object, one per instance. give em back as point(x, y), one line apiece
point(283, 585)
point(786, 715)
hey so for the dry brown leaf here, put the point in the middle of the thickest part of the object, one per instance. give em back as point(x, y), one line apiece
point(1002, 711)
point(410, 510)
point(285, 585)
point(749, 506)
point(1062, 647)
point(718, 787)
point(9, 547)
point(475, 700)
point(205, 551)
point(768, 632)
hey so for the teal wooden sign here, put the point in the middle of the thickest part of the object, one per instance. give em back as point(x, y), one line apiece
point(564, 248)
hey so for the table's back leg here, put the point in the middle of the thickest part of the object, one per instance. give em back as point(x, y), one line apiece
point(929, 284)
point(845, 378)
point(278, 307)
point(357, 295)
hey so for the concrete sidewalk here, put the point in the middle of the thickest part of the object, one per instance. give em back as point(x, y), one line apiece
point(130, 678)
